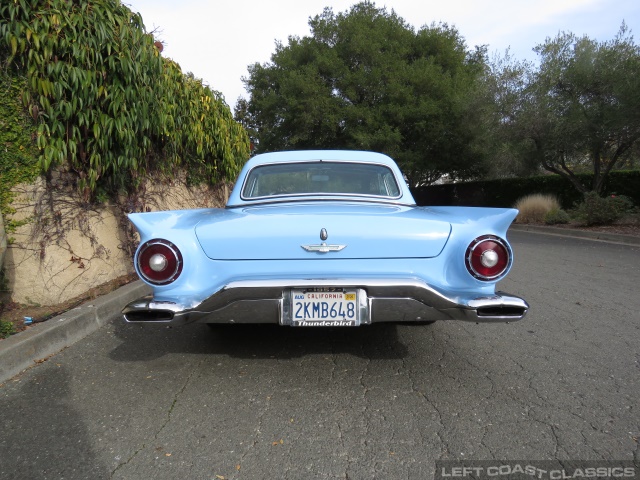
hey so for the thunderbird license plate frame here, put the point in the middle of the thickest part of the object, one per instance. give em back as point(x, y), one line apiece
point(325, 307)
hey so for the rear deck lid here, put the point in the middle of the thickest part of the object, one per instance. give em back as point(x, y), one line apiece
point(323, 230)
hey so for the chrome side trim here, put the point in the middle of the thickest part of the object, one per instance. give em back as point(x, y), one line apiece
point(383, 300)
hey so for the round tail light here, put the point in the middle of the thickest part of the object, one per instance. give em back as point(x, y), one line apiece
point(488, 257)
point(159, 262)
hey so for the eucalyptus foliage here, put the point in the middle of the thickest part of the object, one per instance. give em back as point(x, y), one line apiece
point(107, 103)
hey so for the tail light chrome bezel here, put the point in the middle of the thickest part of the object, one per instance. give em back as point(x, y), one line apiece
point(171, 254)
point(488, 243)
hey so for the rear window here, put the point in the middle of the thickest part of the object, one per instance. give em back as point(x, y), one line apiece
point(320, 178)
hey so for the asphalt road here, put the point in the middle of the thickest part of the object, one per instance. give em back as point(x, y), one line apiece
point(379, 402)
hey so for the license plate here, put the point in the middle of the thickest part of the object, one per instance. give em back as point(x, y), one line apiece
point(325, 308)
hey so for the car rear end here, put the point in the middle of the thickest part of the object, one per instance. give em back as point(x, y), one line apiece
point(330, 264)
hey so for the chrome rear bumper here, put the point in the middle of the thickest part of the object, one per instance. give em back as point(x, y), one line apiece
point(382, 300)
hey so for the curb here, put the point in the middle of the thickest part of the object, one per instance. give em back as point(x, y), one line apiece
point(582, 234)
point(42, 340)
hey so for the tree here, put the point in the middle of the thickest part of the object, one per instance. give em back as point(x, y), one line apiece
point(499, 95)
point(243, 116)
point(581, 109)
point(365, 79)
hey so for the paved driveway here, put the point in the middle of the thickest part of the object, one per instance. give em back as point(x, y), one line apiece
point(375, 402)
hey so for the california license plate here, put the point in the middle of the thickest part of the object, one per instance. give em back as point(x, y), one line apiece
point(325, 307)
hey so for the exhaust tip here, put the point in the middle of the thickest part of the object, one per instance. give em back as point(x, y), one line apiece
point(502, 311)
point(149, 316)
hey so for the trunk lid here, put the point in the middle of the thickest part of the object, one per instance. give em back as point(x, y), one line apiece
point(280, 231)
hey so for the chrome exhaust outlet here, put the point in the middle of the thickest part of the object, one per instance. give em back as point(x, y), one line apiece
point(149, 316)
point(502, 311)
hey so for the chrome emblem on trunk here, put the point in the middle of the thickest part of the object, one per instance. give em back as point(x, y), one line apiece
point(323, 247)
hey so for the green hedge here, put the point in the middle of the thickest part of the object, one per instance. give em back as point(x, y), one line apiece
point(505, 192)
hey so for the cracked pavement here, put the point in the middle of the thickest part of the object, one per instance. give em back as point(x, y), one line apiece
point(385, 401)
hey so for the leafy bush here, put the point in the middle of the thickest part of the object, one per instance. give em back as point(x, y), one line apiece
point(18, 160)
point(6, 329)
point(107, 103)
point(556, 216)
point(597, 210)
point(534, 208)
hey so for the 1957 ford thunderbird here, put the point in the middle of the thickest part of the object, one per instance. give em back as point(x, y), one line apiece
point(323, 238)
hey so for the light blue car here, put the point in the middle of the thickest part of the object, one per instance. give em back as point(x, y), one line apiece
point(323, 238)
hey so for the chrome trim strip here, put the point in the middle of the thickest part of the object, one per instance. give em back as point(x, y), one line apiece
point(406, 297)
point(314, 199)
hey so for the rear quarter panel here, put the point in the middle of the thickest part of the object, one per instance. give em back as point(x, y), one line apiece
point(203, 276)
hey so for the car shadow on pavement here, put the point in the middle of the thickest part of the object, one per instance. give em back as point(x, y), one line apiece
point(146, 342)
point(42, 434)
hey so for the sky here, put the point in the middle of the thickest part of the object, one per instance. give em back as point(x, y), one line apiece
point(217, 40)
